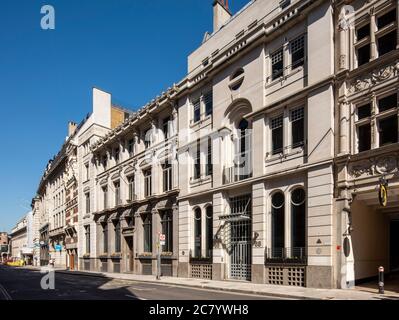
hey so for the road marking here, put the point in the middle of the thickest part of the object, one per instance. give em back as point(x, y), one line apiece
point(5, 293)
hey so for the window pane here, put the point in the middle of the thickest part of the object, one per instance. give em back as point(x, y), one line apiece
point(363, 32)
point(387, 43)
point(277, 64)
point(197, 110)
point(298, 52)
point(386, 19)
point(278, 225)
point(388, 129)
point(208, 99)
point(364, 111)
point(298, 127)
point(209, 231)
point(363, 55)
point(197, 233)
point(364, 137)
point(277, 134)
point(387, 103)
point(298, 221)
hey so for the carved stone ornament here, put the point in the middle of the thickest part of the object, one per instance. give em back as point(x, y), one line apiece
point(386, 164)
point(360, 168)
point(375, 77)
point(378, 165)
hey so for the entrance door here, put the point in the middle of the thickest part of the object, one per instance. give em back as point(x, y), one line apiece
point(240, 238)
point(71, 262)
point(394, 245)
point(129, 242)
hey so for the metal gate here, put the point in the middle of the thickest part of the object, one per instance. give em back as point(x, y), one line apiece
point(240, 238)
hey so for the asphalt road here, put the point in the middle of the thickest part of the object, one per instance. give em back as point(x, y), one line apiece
point(25, 284)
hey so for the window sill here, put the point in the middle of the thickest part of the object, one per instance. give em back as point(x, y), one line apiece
point(289, 73)
point(285, 154)
point(198, 181)
point(203, 119)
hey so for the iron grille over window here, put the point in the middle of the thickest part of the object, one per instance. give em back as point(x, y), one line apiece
point(147, 226)
point(167, 230)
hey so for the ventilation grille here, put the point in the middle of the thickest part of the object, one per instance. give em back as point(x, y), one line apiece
point(286, 276)
point(201, 271)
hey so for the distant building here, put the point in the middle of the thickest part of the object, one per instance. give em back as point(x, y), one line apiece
point(22, 239)
point(4, 246)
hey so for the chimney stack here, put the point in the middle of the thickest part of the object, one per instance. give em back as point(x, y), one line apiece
point(71, 128)
point(221, 13)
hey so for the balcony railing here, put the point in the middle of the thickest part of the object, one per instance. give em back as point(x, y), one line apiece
point(236, 173)
point(296, 255)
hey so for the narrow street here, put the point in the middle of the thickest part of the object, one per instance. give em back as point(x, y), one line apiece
point(23, 284)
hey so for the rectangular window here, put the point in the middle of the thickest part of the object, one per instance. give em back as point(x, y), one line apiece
point(87, 202)
point(363, 32)
point(87, 176)
point(389, 102)
point(105, 197)
point(147, 226)
point(147, 183)
point(87, 236)
point(277, 64)
point(364, 111)
point(132, 191)
point(167, 176)
point(364, 132)
point(197, 161)
point(117, 187)
point(105, 238)
point(209, 165)
point(386, 19)
point(116, 155)
point(117, 231)
point(363, 55)
point(130, 147)
point(167, 230)
point(387, 43)
point(388, 129)
point(165, 127)
point(208, 100)
point(147, 138)
point(298, 127)
point(196, 110)
point(277, 134)
point(298, 52)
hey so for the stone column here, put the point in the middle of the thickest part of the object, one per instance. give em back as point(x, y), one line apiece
point(373, 29)
point(343, 40)
point(373, 124)
point(344, 127)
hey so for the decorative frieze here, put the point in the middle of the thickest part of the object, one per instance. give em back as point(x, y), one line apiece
point(376, 165)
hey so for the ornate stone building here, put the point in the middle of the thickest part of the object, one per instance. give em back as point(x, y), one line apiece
point(367, 69)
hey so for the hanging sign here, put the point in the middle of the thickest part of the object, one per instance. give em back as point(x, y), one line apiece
point(383, 195)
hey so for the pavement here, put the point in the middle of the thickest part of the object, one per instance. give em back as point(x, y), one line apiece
point(238, 287)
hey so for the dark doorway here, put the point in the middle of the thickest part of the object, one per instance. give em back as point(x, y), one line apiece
point(394, 245)
point(129, 242)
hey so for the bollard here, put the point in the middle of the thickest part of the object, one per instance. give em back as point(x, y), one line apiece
point(381, 280)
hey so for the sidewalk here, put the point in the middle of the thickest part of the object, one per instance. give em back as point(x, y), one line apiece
point(243, 287)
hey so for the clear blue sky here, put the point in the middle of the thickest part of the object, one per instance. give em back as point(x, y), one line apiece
point(132, 48)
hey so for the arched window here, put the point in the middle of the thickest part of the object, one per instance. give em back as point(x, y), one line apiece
point(278, 206)
point(298, 222)
point(236, 79)
point(209, 231)
point(243, 130)
point(197, 233)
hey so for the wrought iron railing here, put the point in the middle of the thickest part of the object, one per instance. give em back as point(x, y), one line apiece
point(296, 255)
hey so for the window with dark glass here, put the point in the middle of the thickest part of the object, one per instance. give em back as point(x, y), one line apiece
point(105, 197)
point(105, 161)
point(105, 237)
point(297, 52)
point(388, 102)
point(363, 55)
point(277, 134)
point(363, 32)
point(364, 132)
point(364, 111)
point(386, 19)
point(298, 222)
point(388, 130)
point(117, 231)
point(132, 191)
point(87, 195)
point(196, 110)
point(278, 224)
point(147, 226)
point(116, 155)
point(298, 127)
point(209, 231)
point(87, 236)
point(165, 127)
point(387, 43)
point(209, 165)
point(197, 161)
point(167, 176)
point(147, 138)
point(277, 64)
point(117, 187)
point(167, 230)
point(197, 233)
point(130, 147)
point(208, 100)
point(147, 183)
